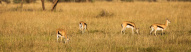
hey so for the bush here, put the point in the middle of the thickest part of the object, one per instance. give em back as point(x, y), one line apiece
point(92, 0)
point(72, 0)
point(189, 31)
point(128, 0)
point(105, 13)
point(109, 0)
point(7, 1)
point(61, 0)
point(16, 1)
point(184, 0)
point(25, 1)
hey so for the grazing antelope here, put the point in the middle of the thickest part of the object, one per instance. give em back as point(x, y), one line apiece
point(156, 27)
point(127, 24)
point(83, 26)
point(61, 33)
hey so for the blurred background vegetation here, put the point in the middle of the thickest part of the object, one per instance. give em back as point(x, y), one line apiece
point(31, 1)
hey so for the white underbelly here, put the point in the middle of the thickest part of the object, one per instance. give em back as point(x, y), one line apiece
point(160, 29)
point(59, 35)
point(129, 26)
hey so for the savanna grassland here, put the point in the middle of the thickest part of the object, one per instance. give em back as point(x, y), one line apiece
point(30, 29)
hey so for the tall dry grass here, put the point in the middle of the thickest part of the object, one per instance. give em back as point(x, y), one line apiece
point(31, 29)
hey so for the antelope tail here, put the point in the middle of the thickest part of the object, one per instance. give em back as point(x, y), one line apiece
point(151, 26)
point(121, 25)
point(86, 27)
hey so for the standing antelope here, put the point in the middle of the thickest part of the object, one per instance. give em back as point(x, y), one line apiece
point(127, 24)
point(156, 27)
point(61, 33)
point(83, 26)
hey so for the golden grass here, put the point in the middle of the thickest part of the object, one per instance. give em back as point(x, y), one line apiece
point(31, 29)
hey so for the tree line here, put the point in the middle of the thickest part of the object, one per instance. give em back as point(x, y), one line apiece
point(55, 2)
point(31, 1)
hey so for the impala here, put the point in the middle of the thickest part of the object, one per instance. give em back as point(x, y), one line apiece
point(61, 33)
point(156, 27)
point(127, 24)
point(83, 26)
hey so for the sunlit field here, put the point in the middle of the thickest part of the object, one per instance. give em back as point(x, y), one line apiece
point(30, 29)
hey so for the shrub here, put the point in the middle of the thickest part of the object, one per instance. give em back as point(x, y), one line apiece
point(7, 1)
point(27, 1)
point(128, 0)
point(105, 13)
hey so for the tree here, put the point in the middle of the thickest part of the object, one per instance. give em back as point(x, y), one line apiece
point(22, 3)
point(43, 4)
point(54, 5)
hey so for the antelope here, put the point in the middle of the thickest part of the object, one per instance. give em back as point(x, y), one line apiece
point(61, 33)
point(127, 24)
point(83, 26)
point(155, 27)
